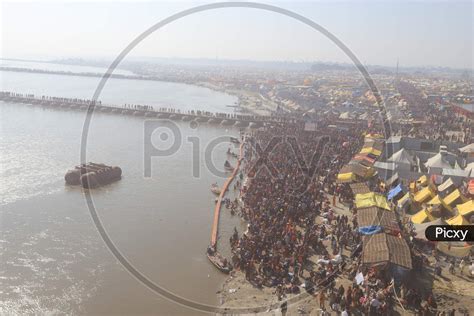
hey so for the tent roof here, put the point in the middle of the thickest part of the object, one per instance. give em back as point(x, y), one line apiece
point(371, 150)
point(394, 192)
point(423, 180)
point(376, 216)
point(371, 199)
point(438, 161)
point(402, 156)
point(422, 216)
point(466, 208)
point(457, 220)
point(453, 196)
point(359, 188)
point(468, 148)
point(445, 185)
point(383, 247)
point(345, 177)
point(423, 195)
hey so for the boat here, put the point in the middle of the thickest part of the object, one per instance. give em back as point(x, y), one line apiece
point(218, 260)
point(215, 189)
point(228, 166)
point(92, 175)
point(234, 140)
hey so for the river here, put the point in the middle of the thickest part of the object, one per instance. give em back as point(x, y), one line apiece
point(53, 259)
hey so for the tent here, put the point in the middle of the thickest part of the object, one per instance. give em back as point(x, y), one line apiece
point(359, 188)
point(346, 177)
point(394, 192)
point(364, 159)
point(371, 199)
point(423, 180)
point(402, 157)
point(423, 195)
point(422, 216)
point(371, 151)
point(445, 185)
point(438, 161)
point(360, 170)
point(457, 220)
point(374, 216)
point(405, 199)
point(466, 208)
point(453, 196)
point(467, 149)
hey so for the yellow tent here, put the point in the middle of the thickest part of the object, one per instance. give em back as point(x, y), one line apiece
point(379, 136)
point(453, 196)
point(403, 200)
point(437, 200)
point(423, 180)
point(346, 177)
point(370, 150)
point(457, 220)
point(422, 216)
point(466, 208)
point(371, 199)
point(423, 195)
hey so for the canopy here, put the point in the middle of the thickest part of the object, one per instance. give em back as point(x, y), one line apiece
point(466, 208)
point(371, 199)
point(423, 180)
point(453, 196)
point(445, 185)
point(467, 149)
point(394, 192)
point(422, 216)
point(345, 177)
point(423, 195)
point(457, 220)
point(403, 200)
point(370, 230)
point(364, 158)
point(402, 156)
point(438, 161)
point(371, 150)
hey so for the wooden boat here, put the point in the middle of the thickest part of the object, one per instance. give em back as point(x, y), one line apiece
point(215, 189)
point(218, 260)
point(234, 140)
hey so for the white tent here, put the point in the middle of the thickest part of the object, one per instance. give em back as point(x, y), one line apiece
point(402, 156)
point(438, 161)
point(467, 149)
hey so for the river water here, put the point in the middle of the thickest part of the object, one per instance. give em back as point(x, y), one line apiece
point(52, 257)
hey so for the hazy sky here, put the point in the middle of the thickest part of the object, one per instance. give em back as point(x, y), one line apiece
point(418, 33)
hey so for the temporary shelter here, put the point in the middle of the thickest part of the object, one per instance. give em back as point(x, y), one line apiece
point(457, 220)
point(423, 195)
point(371, 199)
point(422, 216)
point(466, 209)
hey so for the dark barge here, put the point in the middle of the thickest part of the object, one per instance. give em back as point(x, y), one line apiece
point(93, 175)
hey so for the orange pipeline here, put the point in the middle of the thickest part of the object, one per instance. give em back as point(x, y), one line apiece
point(225, 187)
